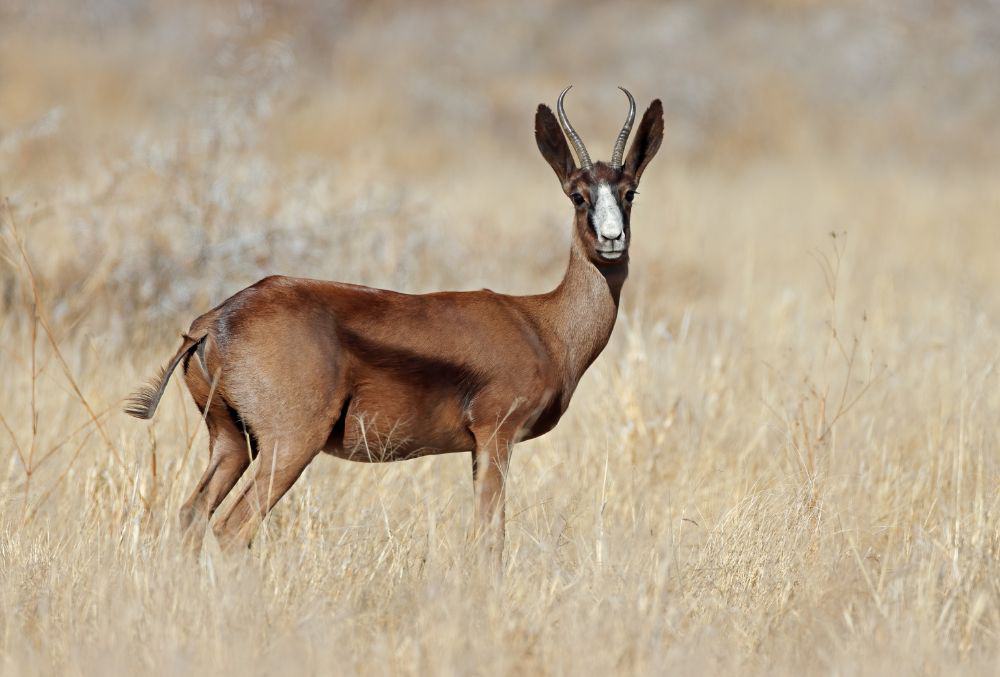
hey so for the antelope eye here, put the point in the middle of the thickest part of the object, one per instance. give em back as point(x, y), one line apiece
point(630, 195)
point(577, 199)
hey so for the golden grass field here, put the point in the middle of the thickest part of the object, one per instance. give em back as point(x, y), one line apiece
point(786, 461)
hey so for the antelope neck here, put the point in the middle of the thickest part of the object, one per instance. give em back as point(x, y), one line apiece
point(580, 313)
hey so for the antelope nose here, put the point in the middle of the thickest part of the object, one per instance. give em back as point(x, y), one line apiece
point(611, 232)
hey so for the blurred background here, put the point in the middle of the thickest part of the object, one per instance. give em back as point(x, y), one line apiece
point(172, 152)
point(785, 461)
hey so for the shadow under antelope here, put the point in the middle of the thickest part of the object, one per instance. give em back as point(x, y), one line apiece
point(291, 367)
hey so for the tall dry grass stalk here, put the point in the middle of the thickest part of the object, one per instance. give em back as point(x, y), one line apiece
point(786, 461)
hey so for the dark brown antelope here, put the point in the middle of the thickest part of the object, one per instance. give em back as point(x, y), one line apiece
point(290, 367)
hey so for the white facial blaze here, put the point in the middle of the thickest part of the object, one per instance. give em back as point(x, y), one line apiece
point(607, 215)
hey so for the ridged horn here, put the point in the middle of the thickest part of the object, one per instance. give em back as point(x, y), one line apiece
point(581, 150)
point(619, 152)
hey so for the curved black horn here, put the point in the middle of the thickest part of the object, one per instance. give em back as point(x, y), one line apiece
point(581, 150)
point(619, 152)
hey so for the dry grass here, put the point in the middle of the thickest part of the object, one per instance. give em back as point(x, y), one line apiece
point(786, 461)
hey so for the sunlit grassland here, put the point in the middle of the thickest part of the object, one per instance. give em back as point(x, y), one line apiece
point(786, 460)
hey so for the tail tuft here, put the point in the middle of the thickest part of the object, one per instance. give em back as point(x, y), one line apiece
point(142, 403)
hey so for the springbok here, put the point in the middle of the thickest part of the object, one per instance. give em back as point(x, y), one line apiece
point(290, 367)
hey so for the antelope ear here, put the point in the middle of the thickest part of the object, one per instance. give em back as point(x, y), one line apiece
point(552, 143)
point(647, 140)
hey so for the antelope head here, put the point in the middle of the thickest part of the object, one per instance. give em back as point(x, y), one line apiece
point(601, 193)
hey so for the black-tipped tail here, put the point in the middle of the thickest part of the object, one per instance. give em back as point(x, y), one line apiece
point(143, 402)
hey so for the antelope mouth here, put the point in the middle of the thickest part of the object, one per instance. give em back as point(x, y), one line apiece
point(611, 255)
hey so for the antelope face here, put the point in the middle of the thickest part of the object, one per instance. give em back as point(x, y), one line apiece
point(602, 198)
point(601, 193)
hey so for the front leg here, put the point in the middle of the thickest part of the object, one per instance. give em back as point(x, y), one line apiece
point(490, 461)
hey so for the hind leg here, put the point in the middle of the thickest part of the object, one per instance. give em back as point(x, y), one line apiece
point(278, 466)
point(284, 376)
point(229, 457)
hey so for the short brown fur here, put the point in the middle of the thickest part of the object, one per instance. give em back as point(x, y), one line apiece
point(291, 367)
